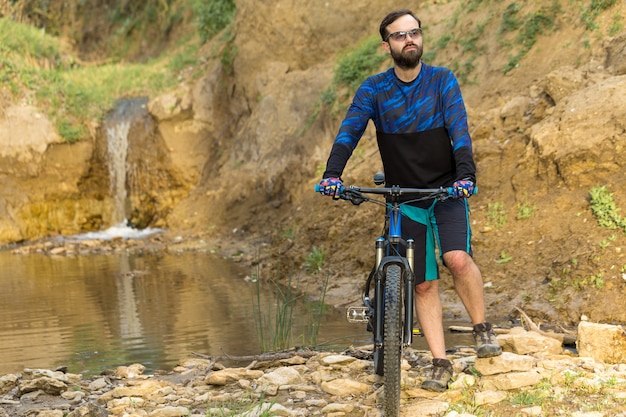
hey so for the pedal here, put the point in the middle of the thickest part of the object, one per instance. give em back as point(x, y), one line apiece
point(357, 314)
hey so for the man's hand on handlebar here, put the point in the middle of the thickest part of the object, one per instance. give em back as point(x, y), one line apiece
point(463, 188)
point(331, 187)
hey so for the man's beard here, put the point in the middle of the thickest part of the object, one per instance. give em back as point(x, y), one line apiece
point(407, 59)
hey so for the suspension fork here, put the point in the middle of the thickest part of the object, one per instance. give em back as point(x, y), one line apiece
point(409, 284)
point(378, 291)
point(408, 277)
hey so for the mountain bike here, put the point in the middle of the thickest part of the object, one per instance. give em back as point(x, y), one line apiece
point(389, 311)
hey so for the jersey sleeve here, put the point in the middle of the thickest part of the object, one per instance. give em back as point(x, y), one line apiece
point(351, 130)
point(455, 119)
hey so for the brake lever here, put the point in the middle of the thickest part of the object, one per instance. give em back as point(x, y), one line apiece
point(354, 198)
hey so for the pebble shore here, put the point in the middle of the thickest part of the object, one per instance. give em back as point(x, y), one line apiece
point(539, 379)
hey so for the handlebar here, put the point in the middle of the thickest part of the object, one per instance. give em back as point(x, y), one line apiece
point(356, 195)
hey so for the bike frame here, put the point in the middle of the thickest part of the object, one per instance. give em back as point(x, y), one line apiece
point(386, 246)
point(394, 262)
point(388, 249)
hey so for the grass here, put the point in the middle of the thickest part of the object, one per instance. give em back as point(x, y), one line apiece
point(605, 209)
point(529, 28)
point(213, 16)
point(37, 69)
point(248, 404)
point(560, 394)
point(314, 260)
point(504, 258)
point(525, 210)
point(277, 318)
point(357, 64)
point(496, 214)
point(593, 10)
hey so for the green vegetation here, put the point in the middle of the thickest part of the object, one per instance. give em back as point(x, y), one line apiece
point(605, 209)
point(36, 68)
point(354, 67)
point(276, 320)
point(314, 260)
point(594, 9)
point(213, 16)
point(504, 258)
point(496, 214)
point(529, 27)
point(525, 210)
point(528, 398)
point(77, 96)
point(351, 70)
point(249, 404)
point(595, 281)
point(617, 25)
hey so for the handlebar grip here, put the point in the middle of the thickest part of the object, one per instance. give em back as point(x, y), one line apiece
point(452, 193)
point(339, 193)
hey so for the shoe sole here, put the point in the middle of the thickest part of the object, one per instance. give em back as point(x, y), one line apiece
point(433, 386)
point(489, 352)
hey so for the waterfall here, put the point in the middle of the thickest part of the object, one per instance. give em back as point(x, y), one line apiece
point(117, 142)
point(115, 132)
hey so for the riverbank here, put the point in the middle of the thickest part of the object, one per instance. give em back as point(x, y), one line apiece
point(533, 377)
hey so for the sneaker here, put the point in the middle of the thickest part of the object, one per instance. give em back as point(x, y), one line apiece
point(442, 373)
point(487, 345)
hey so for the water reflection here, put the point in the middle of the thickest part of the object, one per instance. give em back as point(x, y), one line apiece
point(92, 313)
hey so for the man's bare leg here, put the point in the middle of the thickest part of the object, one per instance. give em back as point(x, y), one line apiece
point(468, 283)
point(430, 316)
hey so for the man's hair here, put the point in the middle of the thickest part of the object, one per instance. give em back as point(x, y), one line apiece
point(392, 17)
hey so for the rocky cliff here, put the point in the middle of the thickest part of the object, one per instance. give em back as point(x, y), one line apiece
point(234, 156)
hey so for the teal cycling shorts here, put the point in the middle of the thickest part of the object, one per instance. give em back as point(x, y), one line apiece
point(444, 224)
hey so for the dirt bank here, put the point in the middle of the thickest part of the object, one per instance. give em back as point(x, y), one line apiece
point(235, 154)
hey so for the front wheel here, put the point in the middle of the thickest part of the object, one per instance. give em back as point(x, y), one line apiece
point(392, 340)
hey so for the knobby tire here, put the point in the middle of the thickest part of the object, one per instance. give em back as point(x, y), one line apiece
point(392, 340)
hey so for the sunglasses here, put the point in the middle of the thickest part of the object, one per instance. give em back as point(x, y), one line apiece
point(400, 36)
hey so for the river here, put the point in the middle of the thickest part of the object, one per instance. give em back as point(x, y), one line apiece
point(95, 312)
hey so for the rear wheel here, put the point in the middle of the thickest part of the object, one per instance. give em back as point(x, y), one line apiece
point(392, 340)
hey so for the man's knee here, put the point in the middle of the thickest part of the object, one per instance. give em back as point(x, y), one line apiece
point(457, 260)
point(426, 287)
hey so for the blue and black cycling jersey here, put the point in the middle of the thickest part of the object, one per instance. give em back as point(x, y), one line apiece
point(421, 127)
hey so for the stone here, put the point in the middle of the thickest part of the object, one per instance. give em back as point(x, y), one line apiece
point(535, 411)
point(8, 382)
point(602, 342)
point(426, 408)
point(507, 362)
point(489, 397)
point(98, 384)
point(170, 412)
point(273, 409)
point(226, 376)
point(46, 384)
point(338, 408)
point(512, 380)
point(343, 387)
point(89, 410)
point(523, 342)
point(131, 371)
point(337, 359)
point(463, 381)
point(281, 376)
